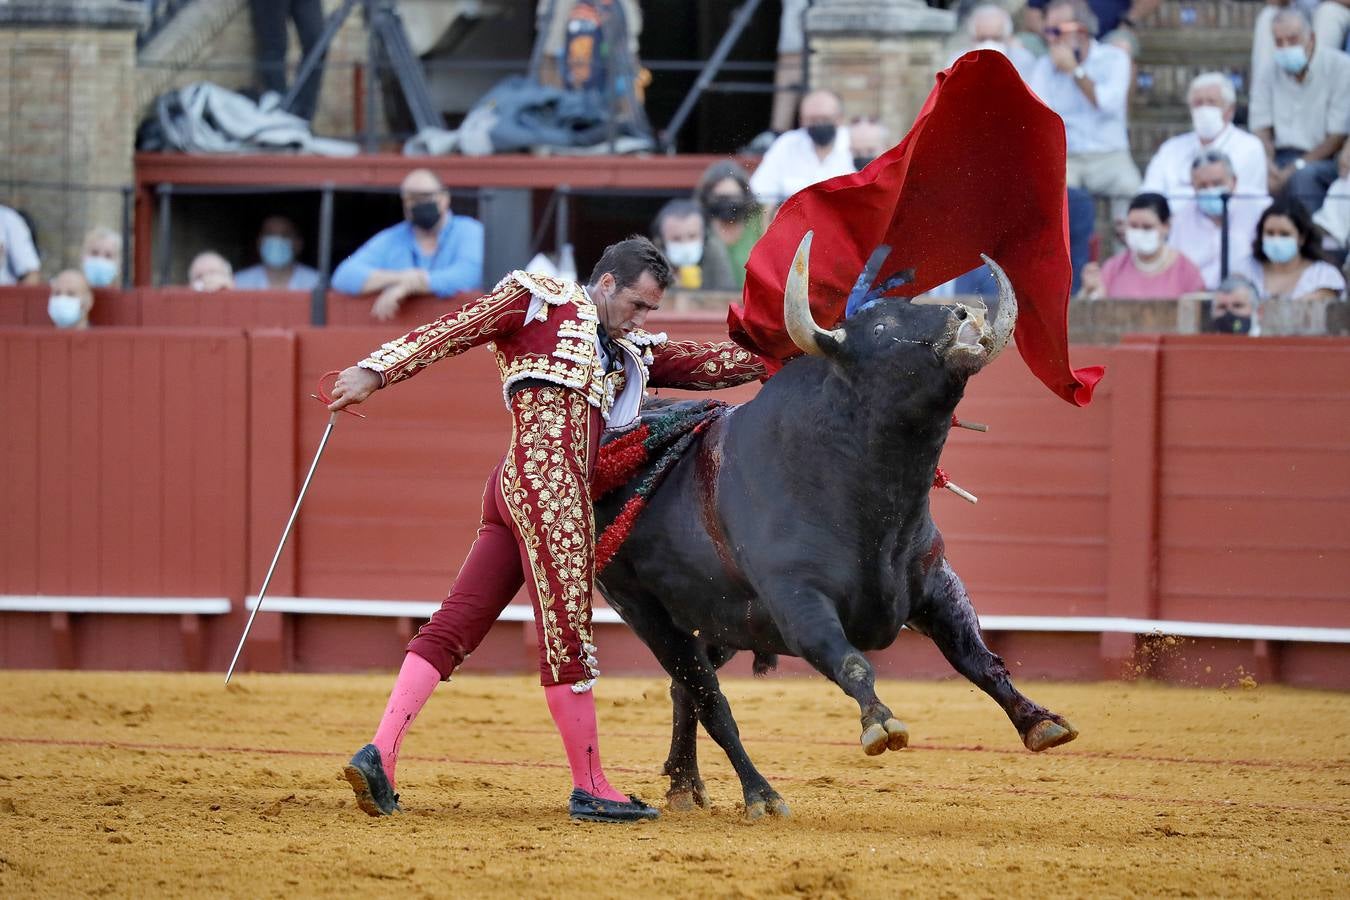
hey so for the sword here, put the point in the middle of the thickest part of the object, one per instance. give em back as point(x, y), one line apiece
point(323, 442)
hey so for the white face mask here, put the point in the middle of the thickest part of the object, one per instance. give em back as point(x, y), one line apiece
point(684, 253)
point(1208, 121)
point(1143, 241)
point(64, 310)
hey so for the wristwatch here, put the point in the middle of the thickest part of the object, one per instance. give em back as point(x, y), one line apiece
point(1299, 164)
point(1080, 73)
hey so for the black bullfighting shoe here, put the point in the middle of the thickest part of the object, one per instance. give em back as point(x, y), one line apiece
point(590, 808)
point(365, 773)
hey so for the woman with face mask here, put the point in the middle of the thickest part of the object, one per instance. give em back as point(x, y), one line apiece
point(1148, 269)
point(736, 220)
point(1286, 260)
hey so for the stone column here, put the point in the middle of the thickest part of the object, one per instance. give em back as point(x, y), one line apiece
point(68, 114)
point(880, 56)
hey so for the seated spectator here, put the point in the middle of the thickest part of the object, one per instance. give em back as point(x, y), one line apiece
point(1197, 228)
point(818, 150)
point(1300, 109)
point(433, 251)
point(737, 220)
point(1212, 101)
point(1334, 216)
point(699, 259)
point(1087, 83)
point(210, 272)
point(1233, 309)
point(989, 27)
point(101, 257)
point(1111, 15)
point(279, 244)
point(1263, 42)
point(70, 301)
point(867, 139)
point(1149, 269)
point(1286, 261)
point(19, 263)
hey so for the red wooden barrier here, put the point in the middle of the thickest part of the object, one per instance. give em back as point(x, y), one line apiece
point(27, 305)
point(181, 306)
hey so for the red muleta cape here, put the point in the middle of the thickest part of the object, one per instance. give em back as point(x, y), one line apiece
point(981, 171)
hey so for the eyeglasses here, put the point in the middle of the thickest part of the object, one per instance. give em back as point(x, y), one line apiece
point(1055, 31)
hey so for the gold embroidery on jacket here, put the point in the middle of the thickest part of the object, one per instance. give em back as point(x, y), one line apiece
point(708, 366)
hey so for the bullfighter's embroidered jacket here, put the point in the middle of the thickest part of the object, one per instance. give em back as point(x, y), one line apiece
point(546, 329)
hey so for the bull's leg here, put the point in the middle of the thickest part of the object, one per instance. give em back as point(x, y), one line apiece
point(810, 625)
point(686, 787)
point(685, 659)
point(949, 619)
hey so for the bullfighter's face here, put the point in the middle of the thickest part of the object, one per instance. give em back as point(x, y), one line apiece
point(622, 310)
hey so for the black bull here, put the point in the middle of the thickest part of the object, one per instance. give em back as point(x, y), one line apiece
point(799, 524)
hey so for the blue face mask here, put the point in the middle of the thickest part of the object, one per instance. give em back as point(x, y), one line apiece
point(99, 271)
point(1279, 249)
point(1292, 59)
point(1210, 201)
point(276, 251)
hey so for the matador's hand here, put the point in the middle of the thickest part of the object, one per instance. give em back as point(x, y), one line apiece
point(352, 386)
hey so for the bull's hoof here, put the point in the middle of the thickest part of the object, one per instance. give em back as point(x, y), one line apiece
point(766, 802)
point(877, 738)
point(687, 798)
point(1048, 733)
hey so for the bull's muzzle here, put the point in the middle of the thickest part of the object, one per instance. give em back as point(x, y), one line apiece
point(801, 325)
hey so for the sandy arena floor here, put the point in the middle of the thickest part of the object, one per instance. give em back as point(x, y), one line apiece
point(171, 785)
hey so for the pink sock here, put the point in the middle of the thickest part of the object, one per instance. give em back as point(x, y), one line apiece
point(574, 714)
point(416, 680)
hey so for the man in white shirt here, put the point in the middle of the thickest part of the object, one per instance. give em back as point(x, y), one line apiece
point(1197, 228)
point(19, 263)
point(1087, 83)
point(1212, 101)
point(1300, 109)
point(818, 150)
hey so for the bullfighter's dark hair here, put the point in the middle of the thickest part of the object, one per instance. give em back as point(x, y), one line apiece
point(628, 259)
point(1155, 202)
point(1308, 244)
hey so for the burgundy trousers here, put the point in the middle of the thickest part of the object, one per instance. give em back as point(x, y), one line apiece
point(537, 528)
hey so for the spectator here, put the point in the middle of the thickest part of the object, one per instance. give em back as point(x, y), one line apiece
point(1110, 15)
point(990, 27)
point(1233, 309)
point(279, 244)
point(271, 38)
point(70, 301)
point(101, 257)
point(210, 272)
point(1331, 24)
point(818, 150)
point(737, 219)
point(432, 251)
point(1263, 42)
point(19, 263)
point(1286, 262)
point(699, 259)
point(1197, 228)
point(1212, 101)
point(867, 139)
point(1087, 83)
point(1149, 269)
point(1334, 216)
point(1300, 109)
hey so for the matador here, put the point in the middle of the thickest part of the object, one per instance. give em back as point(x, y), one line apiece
point(573, 360)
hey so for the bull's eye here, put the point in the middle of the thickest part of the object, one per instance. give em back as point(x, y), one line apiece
point(961, 312)
point(878, 329)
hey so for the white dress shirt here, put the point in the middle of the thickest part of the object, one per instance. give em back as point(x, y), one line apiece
point(1169, 171)
point(1200, 238)
point(791, 164)
point(1088, 128)
point(254, 278)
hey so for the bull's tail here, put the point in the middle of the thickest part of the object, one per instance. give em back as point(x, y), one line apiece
point(764, 663)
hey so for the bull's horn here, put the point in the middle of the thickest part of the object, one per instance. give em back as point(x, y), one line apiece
point(801, 327)
point(1006, 317)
